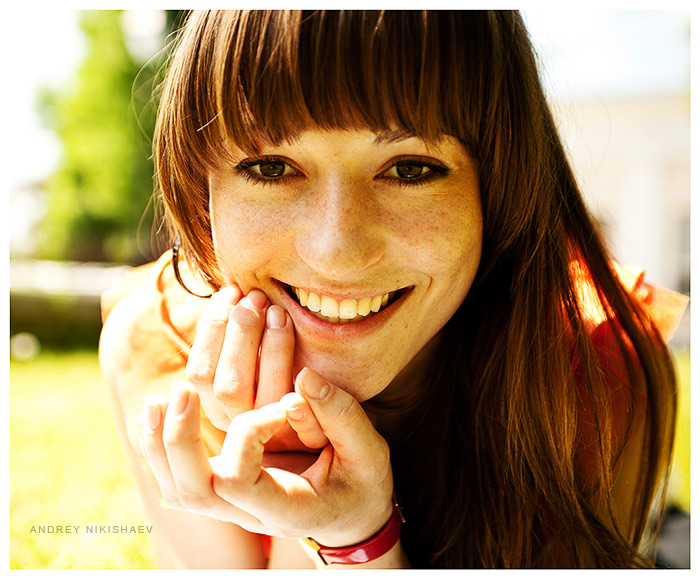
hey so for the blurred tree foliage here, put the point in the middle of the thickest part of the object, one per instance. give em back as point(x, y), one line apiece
point(99, 199)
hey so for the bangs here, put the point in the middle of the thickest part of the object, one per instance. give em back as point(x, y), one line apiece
point(266, 76)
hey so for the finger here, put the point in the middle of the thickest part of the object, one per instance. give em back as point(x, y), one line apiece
point(187, 457)
point(302, 420)
point(355, 441)
point(191, 469)
point(151, 441)
point(234, 383)
point(240, 478)
point(206, 350)
point(244, 445)
point(276, 357)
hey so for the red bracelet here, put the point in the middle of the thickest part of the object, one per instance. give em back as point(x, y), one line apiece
point(369, 550)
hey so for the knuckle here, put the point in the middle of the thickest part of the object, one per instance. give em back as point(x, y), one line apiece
point(228, 392)
point(172, 439)
point(271, 342)
point(349, 412)
point(171, 501)
point(277, 342)
point(151, 446)
point(231, 485)
point(250, 432)
point(175, 438)
point(193, 500)
point(258, 432)
point(200, 372)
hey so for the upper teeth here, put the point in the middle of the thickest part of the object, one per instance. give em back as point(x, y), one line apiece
point(346, 309)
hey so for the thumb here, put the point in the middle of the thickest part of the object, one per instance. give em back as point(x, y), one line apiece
point(343, 421)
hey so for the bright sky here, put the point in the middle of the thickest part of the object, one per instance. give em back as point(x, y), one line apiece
point(588, 53)
point(593, 53)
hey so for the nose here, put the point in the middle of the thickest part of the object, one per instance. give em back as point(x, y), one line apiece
point(342, 233)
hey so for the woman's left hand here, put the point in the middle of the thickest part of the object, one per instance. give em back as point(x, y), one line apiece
point(342, 498)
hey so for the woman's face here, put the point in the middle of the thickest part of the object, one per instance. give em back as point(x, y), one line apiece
point(381, 233)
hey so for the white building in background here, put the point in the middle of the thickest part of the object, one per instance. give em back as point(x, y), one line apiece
point(632, 158)
point(620, 82)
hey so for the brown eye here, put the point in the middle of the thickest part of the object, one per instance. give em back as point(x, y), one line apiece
point(267, 170)
point(414, 171)
point(411, 170)
point(271, 169)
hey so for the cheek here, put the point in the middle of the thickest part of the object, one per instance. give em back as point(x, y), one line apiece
point(445, 240)
point(245, 238)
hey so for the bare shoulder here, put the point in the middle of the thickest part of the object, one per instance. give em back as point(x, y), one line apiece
point(120, 330)
point(138, 355)
point(149, 322)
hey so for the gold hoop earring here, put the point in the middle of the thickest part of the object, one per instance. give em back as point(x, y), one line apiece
point(176, 269)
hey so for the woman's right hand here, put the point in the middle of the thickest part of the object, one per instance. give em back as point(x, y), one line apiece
point(241, 359)
point(341, 498)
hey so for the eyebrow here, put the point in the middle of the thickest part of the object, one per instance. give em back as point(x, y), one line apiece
point(394, 136)
point(384, 137)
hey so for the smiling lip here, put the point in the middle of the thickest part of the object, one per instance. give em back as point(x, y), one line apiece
point(338, 318)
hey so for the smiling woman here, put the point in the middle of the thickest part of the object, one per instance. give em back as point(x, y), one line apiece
point(410, 306)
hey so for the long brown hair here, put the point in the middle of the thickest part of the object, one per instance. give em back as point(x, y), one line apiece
point(488, 472)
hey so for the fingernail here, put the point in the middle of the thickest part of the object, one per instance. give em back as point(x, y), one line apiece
point(295, 413)
point(313, 385)
point(276, 318)
point(152, 416)
point(179, 397)
point(257, 299)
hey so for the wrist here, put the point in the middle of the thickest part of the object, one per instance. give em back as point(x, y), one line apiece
point(378, 545)
point(358, 528)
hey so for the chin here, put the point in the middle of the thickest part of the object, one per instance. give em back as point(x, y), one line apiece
point(360, 382)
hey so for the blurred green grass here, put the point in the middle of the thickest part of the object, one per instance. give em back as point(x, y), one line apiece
point(67, 466)
point(679, 491)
